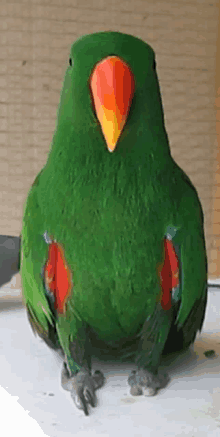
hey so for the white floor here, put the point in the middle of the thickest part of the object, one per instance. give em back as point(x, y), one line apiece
point(32, 403)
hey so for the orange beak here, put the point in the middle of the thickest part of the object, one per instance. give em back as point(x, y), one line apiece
point(112, 85)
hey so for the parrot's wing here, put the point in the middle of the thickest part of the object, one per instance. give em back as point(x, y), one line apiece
point(193, 262)
point(9, 258)
point(33, 247)
point(189, 295)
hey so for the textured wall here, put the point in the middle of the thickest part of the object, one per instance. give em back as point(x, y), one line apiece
point(36, 36)
point(215, 251)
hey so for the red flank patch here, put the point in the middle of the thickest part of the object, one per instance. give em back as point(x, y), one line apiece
point(169, 273)
point(58, 276)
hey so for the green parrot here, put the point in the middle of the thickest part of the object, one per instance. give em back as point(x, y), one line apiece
point(113, 257)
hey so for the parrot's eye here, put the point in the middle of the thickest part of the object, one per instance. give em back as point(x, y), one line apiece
point(70, 62)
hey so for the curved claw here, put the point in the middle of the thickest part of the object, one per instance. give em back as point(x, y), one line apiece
point(83, 391)
point(80, 401)
point(89, 398)
point(82, 387)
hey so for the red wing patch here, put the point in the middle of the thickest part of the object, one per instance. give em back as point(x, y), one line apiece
point(169, 273)
point(58, 276)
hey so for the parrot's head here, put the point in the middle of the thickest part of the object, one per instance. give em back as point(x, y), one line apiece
point(111, 90)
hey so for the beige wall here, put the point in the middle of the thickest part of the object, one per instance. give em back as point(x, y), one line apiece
point(36, 36)
point(215, 252)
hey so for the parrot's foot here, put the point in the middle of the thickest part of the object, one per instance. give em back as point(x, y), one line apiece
point(82, 387)
point(143, 380)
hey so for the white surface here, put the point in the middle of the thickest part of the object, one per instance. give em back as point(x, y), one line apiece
point(30, 372)
point(214, 281)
